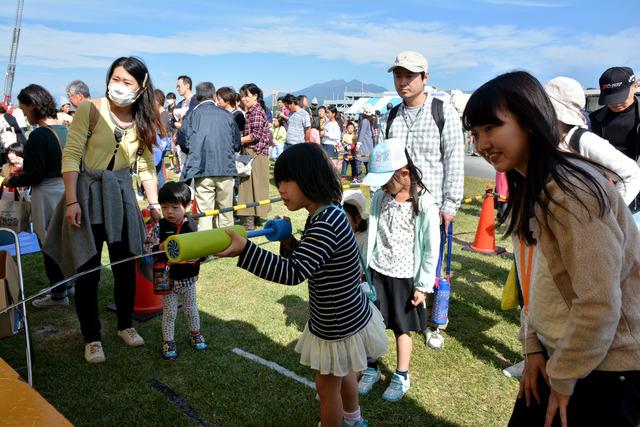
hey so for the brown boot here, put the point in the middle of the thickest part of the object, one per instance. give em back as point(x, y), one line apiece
point(249, 223)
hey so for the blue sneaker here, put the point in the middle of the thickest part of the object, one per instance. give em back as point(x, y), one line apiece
point(361, 423)
point(397, 388)
point(370, 376)
point(198, 343)
point(169, 350)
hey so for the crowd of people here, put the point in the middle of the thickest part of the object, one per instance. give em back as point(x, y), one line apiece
point(567, 186)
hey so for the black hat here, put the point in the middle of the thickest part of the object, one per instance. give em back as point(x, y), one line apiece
point(615, 84)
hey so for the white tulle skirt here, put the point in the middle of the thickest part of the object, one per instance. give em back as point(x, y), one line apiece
point(339, 358)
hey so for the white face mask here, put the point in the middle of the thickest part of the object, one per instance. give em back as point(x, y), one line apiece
point(121, 95)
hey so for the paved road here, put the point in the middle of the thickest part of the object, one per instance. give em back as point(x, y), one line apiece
point(477, 166)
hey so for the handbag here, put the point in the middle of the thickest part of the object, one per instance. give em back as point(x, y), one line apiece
point(15, 214)
point(510, 300)
point(442, 288)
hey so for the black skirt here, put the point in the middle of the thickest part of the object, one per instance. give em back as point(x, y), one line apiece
point(394, 302)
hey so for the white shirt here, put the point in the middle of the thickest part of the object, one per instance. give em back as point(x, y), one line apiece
point(602, 152)
point(393, 254)
point(331, 133)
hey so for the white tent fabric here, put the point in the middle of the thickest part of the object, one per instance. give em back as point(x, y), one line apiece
point(356, 108)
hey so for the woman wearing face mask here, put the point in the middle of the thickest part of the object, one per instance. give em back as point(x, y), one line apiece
point(107, 139)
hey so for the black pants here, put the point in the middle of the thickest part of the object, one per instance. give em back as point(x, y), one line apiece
point(124, 278)
point(603, 399)
point(54, 274)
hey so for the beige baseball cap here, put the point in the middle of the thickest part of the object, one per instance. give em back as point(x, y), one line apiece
point(412, 61)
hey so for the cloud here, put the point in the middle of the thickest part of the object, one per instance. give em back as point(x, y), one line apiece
point(451, 49)
point(527, 3)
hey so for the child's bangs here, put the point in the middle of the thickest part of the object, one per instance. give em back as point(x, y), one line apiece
point(482, 107)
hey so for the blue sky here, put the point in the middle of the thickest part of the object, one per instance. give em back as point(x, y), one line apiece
point(289, 45)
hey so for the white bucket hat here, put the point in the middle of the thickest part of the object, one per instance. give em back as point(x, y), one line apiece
point(355, 198)
point(567, 97)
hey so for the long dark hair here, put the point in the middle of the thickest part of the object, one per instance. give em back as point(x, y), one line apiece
point(44, 107)
point(308, 166)
point(253, 89)
point(520, 94)
point(145, 112)
point(416, 186)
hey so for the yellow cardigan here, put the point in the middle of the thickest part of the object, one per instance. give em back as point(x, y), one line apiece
point(96, 152)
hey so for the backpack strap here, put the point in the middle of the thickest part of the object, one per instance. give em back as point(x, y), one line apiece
point(94, 116)
point(392, 115)
point(437, 112)
point(574, 141)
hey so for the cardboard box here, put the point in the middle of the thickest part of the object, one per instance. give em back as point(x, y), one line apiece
point(9, 293)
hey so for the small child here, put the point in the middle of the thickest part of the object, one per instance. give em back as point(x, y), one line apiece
point(174, 199)
point(351, 147)
point(344, 329)
point(402, 254)
point(13, 167)
point(354, 206)
point(279, 137)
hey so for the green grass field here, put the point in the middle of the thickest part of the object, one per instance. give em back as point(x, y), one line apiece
point(459, 385)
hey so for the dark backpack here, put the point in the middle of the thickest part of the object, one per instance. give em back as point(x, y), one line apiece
point(574, 141)
point(437, 112)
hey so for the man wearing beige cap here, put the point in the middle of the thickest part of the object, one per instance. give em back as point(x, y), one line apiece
point(432, 132)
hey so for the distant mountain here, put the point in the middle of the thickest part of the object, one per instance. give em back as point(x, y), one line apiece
point(333, 89)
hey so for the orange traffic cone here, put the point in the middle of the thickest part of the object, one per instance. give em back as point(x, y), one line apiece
point(194, 206)
point(485, 241)
point(147, 304)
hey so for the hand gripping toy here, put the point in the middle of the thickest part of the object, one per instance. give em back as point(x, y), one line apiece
point(182, 247)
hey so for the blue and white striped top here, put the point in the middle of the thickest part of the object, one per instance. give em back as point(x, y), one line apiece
point(326, 255)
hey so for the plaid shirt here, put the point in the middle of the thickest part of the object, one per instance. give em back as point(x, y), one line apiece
point(441, 161)
point(257, 126)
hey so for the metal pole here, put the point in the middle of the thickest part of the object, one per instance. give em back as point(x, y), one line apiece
point(11, 66)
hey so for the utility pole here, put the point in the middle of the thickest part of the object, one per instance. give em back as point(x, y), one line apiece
point(11, 66)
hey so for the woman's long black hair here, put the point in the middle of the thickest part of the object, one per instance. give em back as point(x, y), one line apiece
point(309, 167)
point(144, 110)
point(520, 94)
point(253, 89)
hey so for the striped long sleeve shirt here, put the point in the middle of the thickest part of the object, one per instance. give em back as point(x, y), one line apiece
point(326, 255)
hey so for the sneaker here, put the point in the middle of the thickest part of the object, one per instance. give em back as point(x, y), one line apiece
point(514, 371)
point(48, 301)
point(131, 337)
point(169, 350)
point(360, 423)
point(396, 389)
point(198, 343)
point(370, 376)
point(71, 291)
point(93, 352)
point(434, 338)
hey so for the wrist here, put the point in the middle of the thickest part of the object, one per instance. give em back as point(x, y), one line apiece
point(72, 203)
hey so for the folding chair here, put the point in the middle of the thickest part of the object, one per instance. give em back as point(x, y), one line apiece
point(9, 237)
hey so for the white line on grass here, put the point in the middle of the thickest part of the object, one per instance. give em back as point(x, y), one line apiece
point(275, 367)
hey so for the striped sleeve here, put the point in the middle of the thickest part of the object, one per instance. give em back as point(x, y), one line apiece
point(311, 253)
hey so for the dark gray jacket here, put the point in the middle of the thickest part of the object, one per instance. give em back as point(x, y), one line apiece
point(209, 136)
